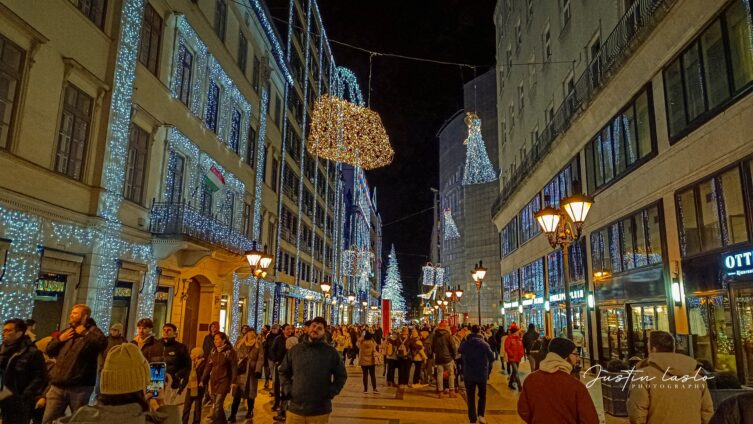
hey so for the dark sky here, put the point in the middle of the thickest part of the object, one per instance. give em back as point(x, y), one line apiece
point(413, 98)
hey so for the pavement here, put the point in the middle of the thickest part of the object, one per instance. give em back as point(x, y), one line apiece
point(407, 406)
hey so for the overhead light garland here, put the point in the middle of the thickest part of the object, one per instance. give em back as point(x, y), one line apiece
point(478, 167)
point(450, 229)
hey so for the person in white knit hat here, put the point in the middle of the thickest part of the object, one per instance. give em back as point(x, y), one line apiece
point(123, 381)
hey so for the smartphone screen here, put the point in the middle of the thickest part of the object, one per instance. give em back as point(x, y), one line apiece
point(157, 371)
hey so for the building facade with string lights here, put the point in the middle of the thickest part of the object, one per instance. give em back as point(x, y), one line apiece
point(476, 239)
point(644, 108)
point(151, 145)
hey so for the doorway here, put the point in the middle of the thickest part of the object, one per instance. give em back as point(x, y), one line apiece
point(49, 297)
point(121, 305)
point(614, 342)
point(712, 332)
point(645, 318)
point(191, 318)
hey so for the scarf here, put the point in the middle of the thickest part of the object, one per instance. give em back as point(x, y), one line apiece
point(553, 363)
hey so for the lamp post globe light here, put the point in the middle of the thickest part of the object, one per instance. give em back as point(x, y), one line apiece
point(478, 274)
point(562, 227)
point(259, 261)
point(326, 287)
point(453, 297)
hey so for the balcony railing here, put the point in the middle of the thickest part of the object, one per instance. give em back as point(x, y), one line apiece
point(613, 52)
point(180, 219)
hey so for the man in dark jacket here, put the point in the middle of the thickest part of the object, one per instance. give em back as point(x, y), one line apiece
point(529, 340)
point(146, 341)
point(734, 410)
point(478, 358)
point(277, 354)
point(311, 375)
point(444, 358)
point(267, 346)
point(174, 354)
point(74, 374)
point(22, 371)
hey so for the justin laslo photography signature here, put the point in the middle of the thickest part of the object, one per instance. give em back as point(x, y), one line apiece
point(634, 376)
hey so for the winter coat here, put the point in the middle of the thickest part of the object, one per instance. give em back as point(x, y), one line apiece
point(130, 413)
point(734, 410)
point(406, 349)
point(175, 355)
point(443, 347)
point(277, 350)
point(652, 402)
point(23, 369)
point(514, 348)
point(366, 356)
point(529, 338)
point(151, 349)
point(502, 351)
point(306, 378)
point(552, 395)
point(208, 344)
point(250, 358)
point(477, 358)
point(76, 358)
point(221, 370)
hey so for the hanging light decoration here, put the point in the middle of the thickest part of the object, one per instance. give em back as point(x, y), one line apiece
point(478, 167)
point(450, 229)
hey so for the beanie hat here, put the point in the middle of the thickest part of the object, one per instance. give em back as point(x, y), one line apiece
point(125, 371)
point(197, 351)
point(562, 347)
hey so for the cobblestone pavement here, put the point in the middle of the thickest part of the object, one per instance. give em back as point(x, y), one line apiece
point(408, 406)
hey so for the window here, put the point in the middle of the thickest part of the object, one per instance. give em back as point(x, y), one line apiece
point(92, 9)
point(213, 105)
point(698, 82)
point(566, 13)
point(251, 152)
point(532, 71)
point(235, 131)
point(242, 52)
point(564, 184)
point(74, 132)
point(629, 243)
point(226, 209)
point(278, 111)
point(568, 89)
point(712, 214)
point(136, 162)
point(247, 217)
point(275, 165)
point(220, 18)
point(528, 225)
point(510, 286)
point(547, 44)
point(619, 147)
point(11, 61)
point(205, 198)
point(175, 170)
point(549, 114)
point(184, 83)
point(151, 35)
point(256, 80)
point(509, 237)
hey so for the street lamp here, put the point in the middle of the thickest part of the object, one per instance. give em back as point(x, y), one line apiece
point(454, 297)
point(326, 287)
point(365, 304)
point(478, 274)
point(259, 261)
point(562, 227)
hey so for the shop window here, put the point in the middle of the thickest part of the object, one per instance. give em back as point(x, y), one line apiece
point(73, 133)
point(161, 312)
point(151, 35)
point(619, 147)
point(11, 62)
point(121, 304)
point(49, 297)
point(712, 214)
point(697, 83)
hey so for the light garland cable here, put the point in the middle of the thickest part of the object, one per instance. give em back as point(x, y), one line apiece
point(478, 167)
point(450, 229)
point(22, 264)
point(235, 318)
point(260, 166)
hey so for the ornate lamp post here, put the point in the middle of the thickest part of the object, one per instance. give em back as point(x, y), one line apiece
point(478, 274)
point(562, 227)
point(326, 287)
point(259, 261)
point(453, 296)
point(365, 304)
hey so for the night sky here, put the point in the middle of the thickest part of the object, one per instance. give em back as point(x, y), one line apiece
point(413, 98)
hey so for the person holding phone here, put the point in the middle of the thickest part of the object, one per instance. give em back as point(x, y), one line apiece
point(74, 374)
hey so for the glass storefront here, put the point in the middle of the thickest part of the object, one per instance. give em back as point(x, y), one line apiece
point(712, 330)
point(161, 313)
point(614, 342)
point(48, 303)
point(121, 304)
point(744, 312)
point(644, 319)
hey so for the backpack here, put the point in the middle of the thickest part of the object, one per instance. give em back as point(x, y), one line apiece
point(402, 351)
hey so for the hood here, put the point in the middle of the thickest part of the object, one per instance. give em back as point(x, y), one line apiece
point(553, 363)
point(475, 336)
point(442, 331)
point(674, 363)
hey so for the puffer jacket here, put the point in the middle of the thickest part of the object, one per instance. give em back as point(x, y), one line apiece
point(443, 347)
point(175, 355)
point(76, 358)
point(653, 402)
point(23, 369)
point(477, 357)
point(221, 370)
point(514, 348)
point(366, 355)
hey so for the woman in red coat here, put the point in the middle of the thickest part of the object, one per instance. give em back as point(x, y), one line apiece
point(514, 350)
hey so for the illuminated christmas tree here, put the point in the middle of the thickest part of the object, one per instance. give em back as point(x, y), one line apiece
point(393, 287)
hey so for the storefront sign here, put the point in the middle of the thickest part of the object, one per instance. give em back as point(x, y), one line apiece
point(739, 263)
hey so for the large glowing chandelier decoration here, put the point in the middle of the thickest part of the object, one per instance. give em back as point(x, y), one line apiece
point(346, 130)
point(478, 167)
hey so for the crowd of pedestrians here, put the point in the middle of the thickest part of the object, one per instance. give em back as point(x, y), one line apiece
point(54, 379)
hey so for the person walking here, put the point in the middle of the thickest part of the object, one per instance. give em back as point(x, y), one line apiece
point(529, 341)
point(74, 374)
point(514, 351)
point(444, 358)
point(505, 365)
point(310, 389)
point(22, 372)
point(194, 391)
point(651, 403)
point(367, 346)
point(353, 350)
point(221, 373)
point(477, 357)
point(418, 358)
point(552, 395)
point(250, 365)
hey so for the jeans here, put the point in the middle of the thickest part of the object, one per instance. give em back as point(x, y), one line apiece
point(470, 388)
point(391, 365)
point(218, 409)
point(16, 409)
point(196, 402)
point(417, 367)
point(450, 367)
point(514, 375)
point(369, 370)
point(59, 398)
point(404, 371)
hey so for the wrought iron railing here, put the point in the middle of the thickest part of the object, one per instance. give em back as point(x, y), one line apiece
point(181, 219)
point(613, 52)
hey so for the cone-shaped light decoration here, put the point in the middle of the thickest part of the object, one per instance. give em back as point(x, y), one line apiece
point(478, 167)
point(450, 229)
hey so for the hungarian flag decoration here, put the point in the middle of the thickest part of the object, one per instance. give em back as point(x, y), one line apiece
point(214, 179)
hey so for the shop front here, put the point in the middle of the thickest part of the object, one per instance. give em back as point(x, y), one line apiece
point(533, 290)
point(578, 312)
point(511, 307)
point(719, 297)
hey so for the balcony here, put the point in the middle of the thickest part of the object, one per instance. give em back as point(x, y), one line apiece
point(170, 220)
point(632, 26)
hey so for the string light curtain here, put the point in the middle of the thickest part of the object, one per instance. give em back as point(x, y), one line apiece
point(478, 167)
